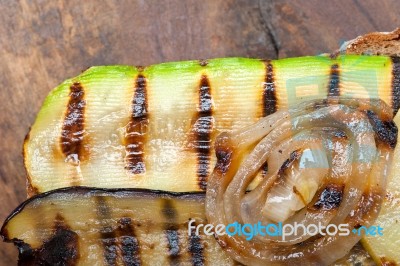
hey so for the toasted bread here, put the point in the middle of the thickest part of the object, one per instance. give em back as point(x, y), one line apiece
point(375, 43)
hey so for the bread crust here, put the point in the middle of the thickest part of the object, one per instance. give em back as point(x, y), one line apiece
point(374, 43)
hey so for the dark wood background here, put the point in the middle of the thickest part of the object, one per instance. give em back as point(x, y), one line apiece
point(44, 42)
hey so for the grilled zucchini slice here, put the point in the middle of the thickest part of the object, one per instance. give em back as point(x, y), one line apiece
point(154, 127)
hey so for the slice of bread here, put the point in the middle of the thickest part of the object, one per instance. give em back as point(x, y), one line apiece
point(375, 43)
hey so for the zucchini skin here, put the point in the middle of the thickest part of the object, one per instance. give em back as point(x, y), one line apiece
point(154, 127)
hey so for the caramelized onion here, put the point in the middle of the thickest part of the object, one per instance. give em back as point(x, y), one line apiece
point(327, 163)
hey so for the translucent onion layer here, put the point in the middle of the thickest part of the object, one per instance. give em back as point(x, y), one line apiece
point(327, 162)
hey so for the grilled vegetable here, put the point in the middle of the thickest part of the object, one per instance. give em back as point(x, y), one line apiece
point(327, 160)
point(154, 127)
point(85, 226)
point(89, 226)
point(386, 249)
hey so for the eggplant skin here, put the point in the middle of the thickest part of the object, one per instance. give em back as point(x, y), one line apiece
point(91, 226)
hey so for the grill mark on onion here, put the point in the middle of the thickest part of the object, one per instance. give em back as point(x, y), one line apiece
point(294, 155)
point(136, 129)
point(202, 128)
point(343, 198)
point(385, 131)
point(365, 203)
point(395, 84)
point(339, 134)
point(334, 81)
point(329, 198)
point(223, 151)
point(264, 169)
point(171, 231)
point(269, 92)
point(73, 128)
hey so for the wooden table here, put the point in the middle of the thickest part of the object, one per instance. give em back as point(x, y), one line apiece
point(44, 42)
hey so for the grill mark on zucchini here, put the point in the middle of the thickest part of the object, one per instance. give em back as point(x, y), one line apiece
point(395, 84)
point(202, 129)
point(73, 130)
point(269, 100)
point(171, 231)
point(334, 80)
point(136, 129)
point(269, 92)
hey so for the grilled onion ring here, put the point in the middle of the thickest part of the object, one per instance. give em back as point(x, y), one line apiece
point(355, 137)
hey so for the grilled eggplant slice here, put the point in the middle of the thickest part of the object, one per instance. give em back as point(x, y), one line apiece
point(154, 127)
point(91, 226)
point(86, 226)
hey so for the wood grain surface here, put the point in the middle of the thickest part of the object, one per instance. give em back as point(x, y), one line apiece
point(44, 42)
